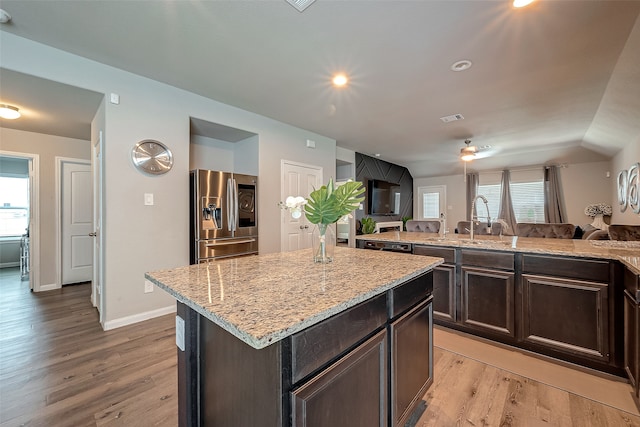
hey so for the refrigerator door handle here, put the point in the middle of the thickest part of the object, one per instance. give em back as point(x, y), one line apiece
point(230, 218)
point(235, 204)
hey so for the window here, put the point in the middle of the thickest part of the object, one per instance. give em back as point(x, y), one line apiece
point(527, 195)
point(14, 206)
point(528, 201)
point(431, 202)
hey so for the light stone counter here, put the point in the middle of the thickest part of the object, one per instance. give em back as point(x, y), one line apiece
point(263, 299)
point(626, 252)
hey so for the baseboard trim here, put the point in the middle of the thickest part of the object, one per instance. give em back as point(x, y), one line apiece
point(49, 287)
point(10, 264)
point(136, 318)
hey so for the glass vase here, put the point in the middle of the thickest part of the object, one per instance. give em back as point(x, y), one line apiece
point(324, 242)
point(598, 222)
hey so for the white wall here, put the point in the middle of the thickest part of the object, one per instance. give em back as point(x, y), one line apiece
point(210, 153)
point(142, 238)
point(622, 161)
point(582, 184)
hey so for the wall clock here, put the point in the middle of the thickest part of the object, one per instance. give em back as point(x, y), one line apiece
point(152, 157)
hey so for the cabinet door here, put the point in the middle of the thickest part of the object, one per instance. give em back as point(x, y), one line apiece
point(444, 293)
point(488, 300)
point(570, 316)
point(631, 340)
point(351, 392)
point(411, 361)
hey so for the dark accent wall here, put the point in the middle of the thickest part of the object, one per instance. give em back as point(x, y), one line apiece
point(371, 168)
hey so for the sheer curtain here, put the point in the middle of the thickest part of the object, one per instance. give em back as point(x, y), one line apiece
point(506, 207)
point(553, 203)
point(472, 190)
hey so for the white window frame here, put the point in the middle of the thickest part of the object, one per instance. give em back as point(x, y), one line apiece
point(442, 201)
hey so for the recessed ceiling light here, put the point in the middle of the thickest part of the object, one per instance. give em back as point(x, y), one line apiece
point(9, 112)
point(462, 65)
point(522, 3)
point(340, 80)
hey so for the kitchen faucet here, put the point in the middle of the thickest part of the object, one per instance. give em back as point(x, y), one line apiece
point(473, 208)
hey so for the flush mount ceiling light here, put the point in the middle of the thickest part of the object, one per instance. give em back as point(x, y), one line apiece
point(461, 65)
point(301, 5)
point(9, 112)
point(340, 80)
point(522, 3)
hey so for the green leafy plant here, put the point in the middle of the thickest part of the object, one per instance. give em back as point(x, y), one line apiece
point(327, 204)
point(404, 222)
point(368, 225)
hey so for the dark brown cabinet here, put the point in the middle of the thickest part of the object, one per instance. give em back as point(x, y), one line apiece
point(411, 361)
point(570, 316)
point(445, 291)
point(632, 331)
point(488, 292)
point(488, 300)
point(565, 306)
point(351, 392)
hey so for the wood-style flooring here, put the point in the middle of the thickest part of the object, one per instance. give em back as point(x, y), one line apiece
point(58, 368)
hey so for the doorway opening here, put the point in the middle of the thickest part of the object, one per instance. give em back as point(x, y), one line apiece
point(19, 225)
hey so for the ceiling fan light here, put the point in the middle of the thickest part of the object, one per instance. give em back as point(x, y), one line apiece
point(9, 112)
point(467, 157)
point(522, 3)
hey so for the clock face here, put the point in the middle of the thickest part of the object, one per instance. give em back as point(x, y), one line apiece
point(152, 157)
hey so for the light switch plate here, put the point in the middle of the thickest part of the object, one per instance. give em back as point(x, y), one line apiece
point(148, 199)
point(148, 286)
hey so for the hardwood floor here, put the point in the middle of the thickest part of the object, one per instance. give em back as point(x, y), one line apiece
point(58, 368)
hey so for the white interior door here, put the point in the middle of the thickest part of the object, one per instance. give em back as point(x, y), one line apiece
point(297, 180)
point(77, 222)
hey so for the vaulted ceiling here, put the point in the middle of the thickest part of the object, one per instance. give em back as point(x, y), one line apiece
point(556, 82)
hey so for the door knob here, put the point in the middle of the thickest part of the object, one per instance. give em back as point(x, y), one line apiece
point(94, 234)
point(306, 226)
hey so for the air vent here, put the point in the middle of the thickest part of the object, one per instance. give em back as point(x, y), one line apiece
point(452, 118)
point(300, 4)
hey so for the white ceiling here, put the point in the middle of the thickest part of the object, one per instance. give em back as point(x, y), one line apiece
point(556, 82)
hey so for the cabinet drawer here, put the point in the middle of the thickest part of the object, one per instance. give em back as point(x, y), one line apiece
point(406, 296)
point(319, 344)
point(449, 254)
point(574, 268)
point(501, 260)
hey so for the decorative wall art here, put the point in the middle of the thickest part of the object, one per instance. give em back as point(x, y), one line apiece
point(629, 188)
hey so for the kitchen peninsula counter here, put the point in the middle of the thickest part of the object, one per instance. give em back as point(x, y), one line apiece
point(571, 299)
point(278, 340)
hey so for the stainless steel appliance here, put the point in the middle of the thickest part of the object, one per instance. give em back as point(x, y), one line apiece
point(224, 220)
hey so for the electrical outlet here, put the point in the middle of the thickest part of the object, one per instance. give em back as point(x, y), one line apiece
point(148, 286)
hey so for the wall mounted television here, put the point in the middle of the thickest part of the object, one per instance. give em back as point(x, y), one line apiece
point(383, 197)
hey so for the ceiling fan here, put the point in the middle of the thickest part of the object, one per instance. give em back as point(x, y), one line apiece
point(472, 152)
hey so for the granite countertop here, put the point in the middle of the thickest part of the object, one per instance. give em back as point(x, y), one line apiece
point(626, 252)
point(265, 298)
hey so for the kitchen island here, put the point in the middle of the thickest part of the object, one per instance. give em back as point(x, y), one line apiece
point(573, 300)
point(277, 340)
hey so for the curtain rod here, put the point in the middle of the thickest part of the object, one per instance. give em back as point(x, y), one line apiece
point(528, 168)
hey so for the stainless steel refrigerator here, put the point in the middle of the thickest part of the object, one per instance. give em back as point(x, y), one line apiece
point(224, 219)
